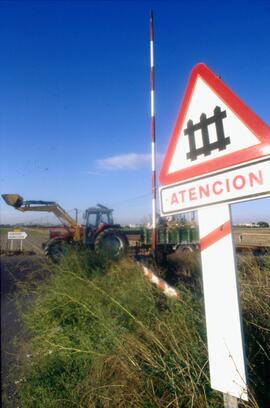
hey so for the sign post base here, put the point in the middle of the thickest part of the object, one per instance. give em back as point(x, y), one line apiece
point(229, 401)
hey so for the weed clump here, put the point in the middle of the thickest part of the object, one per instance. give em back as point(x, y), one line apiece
point(102, 336)
point(255, 299)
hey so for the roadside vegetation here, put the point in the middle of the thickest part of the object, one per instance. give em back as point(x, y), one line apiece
point(98, 334)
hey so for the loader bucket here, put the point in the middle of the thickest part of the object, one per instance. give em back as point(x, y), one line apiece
point(15, 200)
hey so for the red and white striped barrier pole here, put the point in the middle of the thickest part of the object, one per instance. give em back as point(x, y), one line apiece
point(153, 136)
point(168, 290)
point(221, 298)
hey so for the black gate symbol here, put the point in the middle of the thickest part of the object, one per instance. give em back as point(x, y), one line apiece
point(207, 147)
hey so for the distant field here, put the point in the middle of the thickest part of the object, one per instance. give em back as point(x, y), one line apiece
point(252, 236)
point(33, 242)
point(36, 236)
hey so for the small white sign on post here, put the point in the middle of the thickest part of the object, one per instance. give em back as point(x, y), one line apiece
point(219, 153)
point(16, 235)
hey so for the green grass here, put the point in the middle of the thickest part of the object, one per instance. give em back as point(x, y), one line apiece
point(100, 335)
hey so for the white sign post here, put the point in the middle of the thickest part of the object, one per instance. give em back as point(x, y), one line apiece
point(14, 235)
point(219, 153)
point(223, 318)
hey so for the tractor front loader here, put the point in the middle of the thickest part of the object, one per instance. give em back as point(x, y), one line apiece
point(99, 232)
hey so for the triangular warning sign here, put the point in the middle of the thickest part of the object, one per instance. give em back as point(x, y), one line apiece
point(214, 130)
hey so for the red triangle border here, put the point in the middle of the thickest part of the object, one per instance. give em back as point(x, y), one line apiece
point(241, 110)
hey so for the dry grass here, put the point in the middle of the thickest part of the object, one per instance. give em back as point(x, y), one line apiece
point(255, 301)
point(102, 336)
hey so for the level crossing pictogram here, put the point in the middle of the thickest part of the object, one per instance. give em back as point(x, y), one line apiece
point(202, 125)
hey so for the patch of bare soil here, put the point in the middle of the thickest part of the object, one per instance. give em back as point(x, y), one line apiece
point(14, 269)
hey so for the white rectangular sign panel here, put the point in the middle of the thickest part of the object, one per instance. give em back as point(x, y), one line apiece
point(17, 235)
point(246, 182)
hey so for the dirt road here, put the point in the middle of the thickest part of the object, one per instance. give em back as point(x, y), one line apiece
point(13, 269)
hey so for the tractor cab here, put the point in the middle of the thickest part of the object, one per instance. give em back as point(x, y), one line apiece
point(95, 216)
point(97, 219)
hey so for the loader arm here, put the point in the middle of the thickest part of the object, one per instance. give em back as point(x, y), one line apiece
point(16, 201)
point(49, 206)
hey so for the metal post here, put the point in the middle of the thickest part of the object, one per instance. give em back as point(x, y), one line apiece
point(153, 137)
point(21, 245)
point(11, 244)
point(76, 216)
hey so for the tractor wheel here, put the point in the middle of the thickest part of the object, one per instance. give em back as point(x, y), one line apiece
point(111, 243)
point(55, 249)
point(184, 249)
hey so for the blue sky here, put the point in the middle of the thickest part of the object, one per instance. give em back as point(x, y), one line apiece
point(75, 99)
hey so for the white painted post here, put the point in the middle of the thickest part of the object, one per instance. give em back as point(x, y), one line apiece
point(229, 401)
point(222, 310)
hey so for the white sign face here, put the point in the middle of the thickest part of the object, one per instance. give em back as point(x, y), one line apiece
point(17, 235)
point(245, 182)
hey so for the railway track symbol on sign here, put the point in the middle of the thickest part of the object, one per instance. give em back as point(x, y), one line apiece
point(207, 147)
